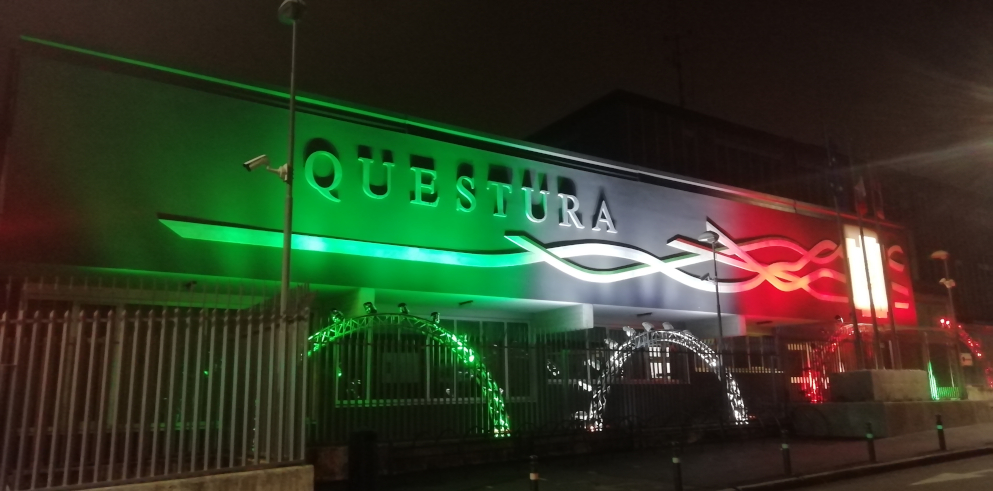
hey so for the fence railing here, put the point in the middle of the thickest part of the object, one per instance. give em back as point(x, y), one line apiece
point(409, 388)
point(109, 394)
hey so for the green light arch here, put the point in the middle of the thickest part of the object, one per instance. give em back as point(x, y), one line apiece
point(491, 393)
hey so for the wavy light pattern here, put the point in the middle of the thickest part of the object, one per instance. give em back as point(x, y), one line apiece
point(783, 275)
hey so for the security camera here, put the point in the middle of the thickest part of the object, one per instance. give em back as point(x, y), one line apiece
point(260, 161)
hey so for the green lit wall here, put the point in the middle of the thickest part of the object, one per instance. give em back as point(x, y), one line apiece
point(96, 157)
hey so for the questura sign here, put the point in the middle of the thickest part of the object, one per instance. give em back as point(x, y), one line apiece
point(323, 171)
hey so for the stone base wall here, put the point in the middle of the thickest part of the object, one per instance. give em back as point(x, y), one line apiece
point(295, 478)
point(331, 463)
point(848, 419)
point(880, 386)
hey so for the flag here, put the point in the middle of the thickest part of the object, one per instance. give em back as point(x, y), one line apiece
point(860, 197)
point(877, 200)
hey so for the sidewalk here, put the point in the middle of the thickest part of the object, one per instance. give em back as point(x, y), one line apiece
point(705, 467)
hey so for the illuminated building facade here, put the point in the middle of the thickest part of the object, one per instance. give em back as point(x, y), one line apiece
point(528, 254)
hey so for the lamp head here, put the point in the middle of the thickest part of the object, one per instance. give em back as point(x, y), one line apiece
point(370, 308)
point(291, 11)
point(708, 237)
point(939, 255)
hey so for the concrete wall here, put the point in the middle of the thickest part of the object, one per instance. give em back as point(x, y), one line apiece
point(296, 478)
point(880, 386)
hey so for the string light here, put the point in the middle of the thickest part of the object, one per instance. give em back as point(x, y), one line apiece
point(593, 419)
point(491, 392)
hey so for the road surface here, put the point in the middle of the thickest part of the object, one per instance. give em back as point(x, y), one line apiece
point(974, 474)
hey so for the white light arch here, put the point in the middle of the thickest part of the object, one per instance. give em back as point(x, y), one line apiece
point(652, 338)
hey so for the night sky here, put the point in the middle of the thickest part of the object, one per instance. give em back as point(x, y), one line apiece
point(910, 82)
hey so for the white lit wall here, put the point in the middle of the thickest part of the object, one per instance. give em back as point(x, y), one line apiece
point(856, 263)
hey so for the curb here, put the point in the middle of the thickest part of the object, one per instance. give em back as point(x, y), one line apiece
point(860, 471)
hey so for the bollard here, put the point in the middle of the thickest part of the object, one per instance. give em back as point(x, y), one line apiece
point(677, 469)
point(533, 476)
point(941, 433)
point(870, 441)
point(787, 463)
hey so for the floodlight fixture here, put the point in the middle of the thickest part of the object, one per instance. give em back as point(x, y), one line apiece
point(708, 237)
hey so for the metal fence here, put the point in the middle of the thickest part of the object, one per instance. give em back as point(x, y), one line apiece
point(408, 387)
point(110, 394)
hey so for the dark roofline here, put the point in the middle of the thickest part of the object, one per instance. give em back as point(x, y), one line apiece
point(642, 101)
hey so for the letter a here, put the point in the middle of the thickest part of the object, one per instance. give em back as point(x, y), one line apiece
point(604, 216)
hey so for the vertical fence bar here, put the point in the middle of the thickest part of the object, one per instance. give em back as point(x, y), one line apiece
point(210, 385)
point(248, 387)
point(26, 402)
point(304, 388)
point(142, 418)
point(280, 346)
point(102, 410)
point(120, 331)
point(272, 365)
point(291, 361)
point(58, 398)
point(128, 429)
point(170, 417)
point(234, 388)
point(40, 422)
point(71, 411)
point(260, 318)
point(185, 374)
point(4, 453)
point(195, 438)
point(220, 395)
point(156, 422)
point(94, 324)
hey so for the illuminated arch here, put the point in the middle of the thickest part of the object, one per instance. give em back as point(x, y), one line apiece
point(594, 417)
point(491, 392)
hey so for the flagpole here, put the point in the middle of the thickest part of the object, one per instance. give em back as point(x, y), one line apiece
point(865, 264)
point(896, 358)
point(835, 189)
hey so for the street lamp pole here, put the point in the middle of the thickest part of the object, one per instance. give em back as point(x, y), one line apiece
point(712, 239)
point(289, 12)
point(949, 283)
